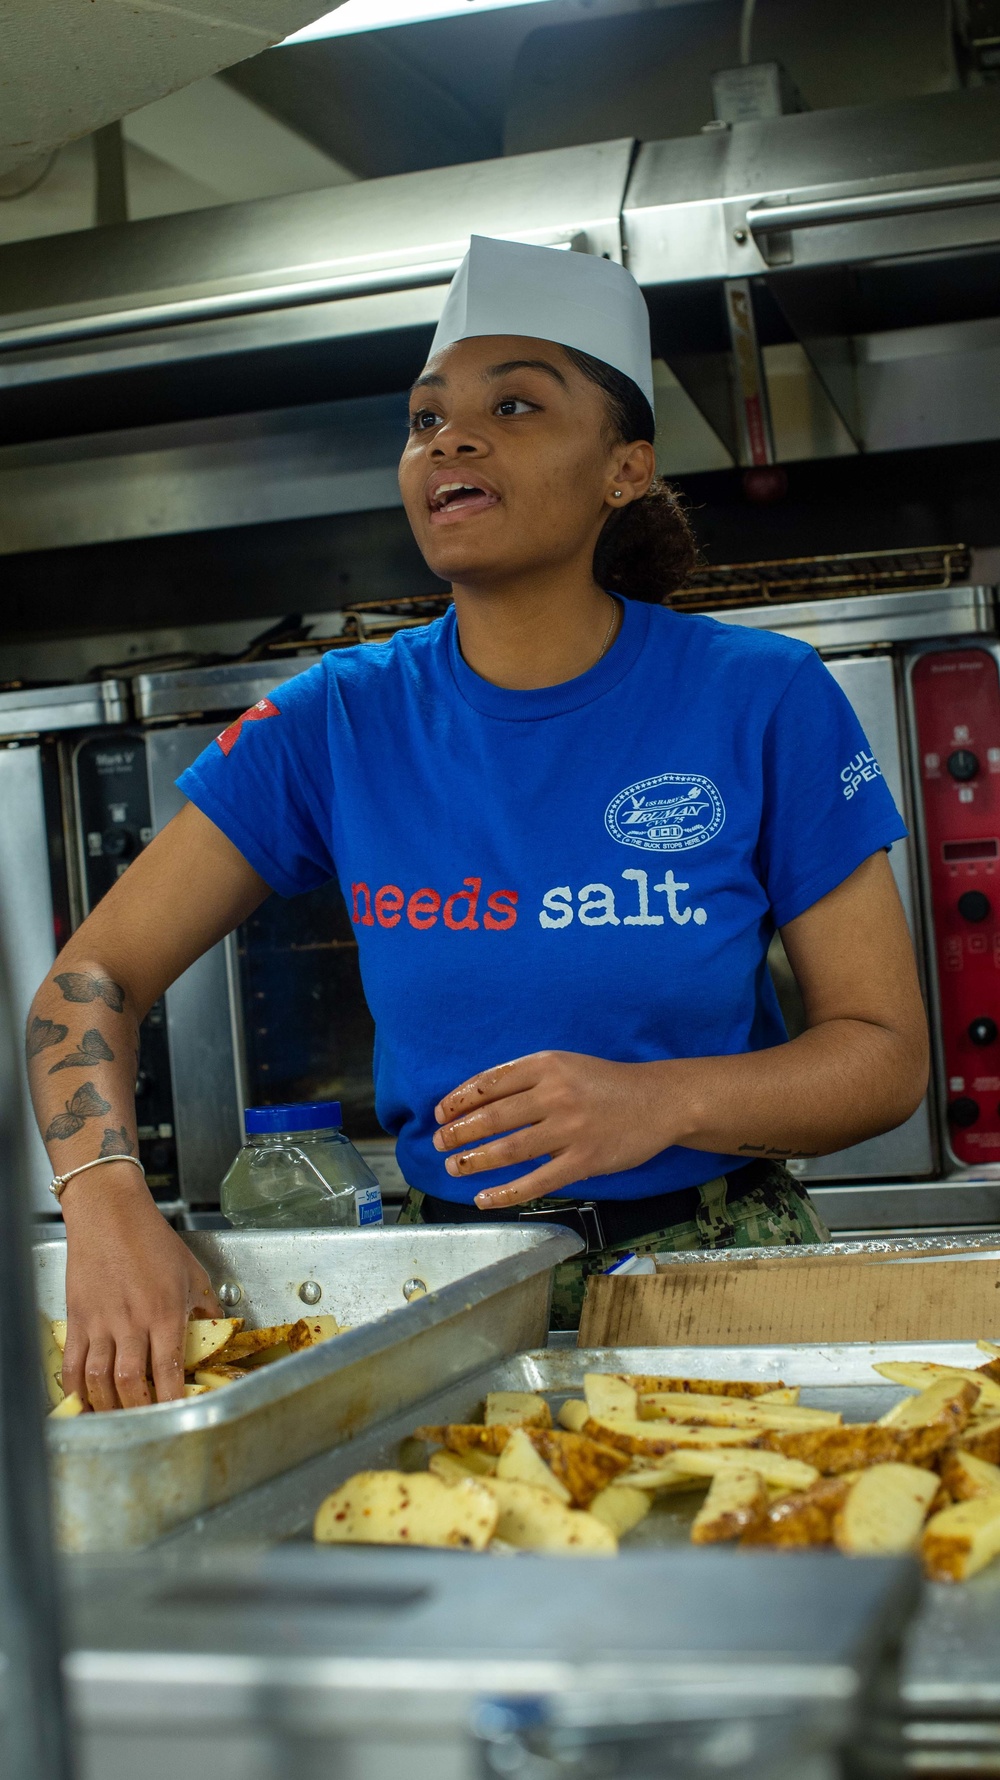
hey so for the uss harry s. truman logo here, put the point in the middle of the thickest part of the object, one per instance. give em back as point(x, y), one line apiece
point(668, 814)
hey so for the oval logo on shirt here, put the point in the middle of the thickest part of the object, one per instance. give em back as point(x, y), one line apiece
point(668, 814)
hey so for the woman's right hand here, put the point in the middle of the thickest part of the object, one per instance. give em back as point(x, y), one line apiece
point(131, 1284)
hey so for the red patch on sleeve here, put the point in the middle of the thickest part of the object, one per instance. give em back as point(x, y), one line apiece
point(256, 714)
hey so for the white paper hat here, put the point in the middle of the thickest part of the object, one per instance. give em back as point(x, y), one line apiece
point(549, 293)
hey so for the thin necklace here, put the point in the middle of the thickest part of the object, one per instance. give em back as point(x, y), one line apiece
point(611, 626)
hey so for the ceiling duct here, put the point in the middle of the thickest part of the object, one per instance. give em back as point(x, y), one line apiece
point(68, 69)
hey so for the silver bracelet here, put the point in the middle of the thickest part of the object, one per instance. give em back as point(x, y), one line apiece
point(59, 1181)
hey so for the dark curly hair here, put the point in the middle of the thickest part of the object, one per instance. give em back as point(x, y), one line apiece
point(647, 551)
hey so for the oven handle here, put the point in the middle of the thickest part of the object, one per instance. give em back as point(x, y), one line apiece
point(767, 216)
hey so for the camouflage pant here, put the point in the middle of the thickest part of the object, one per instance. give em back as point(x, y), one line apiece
point(775, 1212)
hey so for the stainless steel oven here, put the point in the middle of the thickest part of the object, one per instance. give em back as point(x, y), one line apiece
point(276, 1012)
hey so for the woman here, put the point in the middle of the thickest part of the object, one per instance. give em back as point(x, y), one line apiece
point(567, 822)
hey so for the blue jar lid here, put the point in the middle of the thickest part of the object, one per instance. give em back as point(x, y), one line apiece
point(304, 1115)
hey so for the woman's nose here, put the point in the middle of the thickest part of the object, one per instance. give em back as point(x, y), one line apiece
point(453, 440)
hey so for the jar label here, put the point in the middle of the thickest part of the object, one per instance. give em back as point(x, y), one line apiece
point(368, 1205)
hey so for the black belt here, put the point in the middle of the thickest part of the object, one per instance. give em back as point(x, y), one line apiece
point(603, 1223)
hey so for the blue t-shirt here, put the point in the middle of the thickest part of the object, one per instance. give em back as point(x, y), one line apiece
point(597, 866)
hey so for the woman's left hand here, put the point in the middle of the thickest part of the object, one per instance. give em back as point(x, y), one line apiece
point(586, 1115)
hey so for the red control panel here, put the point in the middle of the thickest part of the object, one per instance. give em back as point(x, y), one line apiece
point(957, 700)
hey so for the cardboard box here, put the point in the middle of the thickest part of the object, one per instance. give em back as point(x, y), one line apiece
point(773, 1299)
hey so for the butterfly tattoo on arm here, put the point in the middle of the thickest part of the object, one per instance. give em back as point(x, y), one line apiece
point(86, 1104)
point(42, 1034)
point(93, 1049)
point(80, 985)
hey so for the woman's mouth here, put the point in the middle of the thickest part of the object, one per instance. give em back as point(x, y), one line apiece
point(451, 501)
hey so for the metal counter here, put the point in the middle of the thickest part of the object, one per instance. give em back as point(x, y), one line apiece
point(122, 1480)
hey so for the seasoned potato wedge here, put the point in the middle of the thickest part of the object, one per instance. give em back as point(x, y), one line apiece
point(196, 1390)
point(982, 1437)
point(784, 1393)
point(803, 1518)
point(656, 1438)
point(533, 1520)
point(965, 1477)
point(947, 1400)
point(666, 1476)
point(451, 1468)
point(621, 1509)
point(645, 1385)
point(719, 1411)
point(884, 1510)
point(777, 1471)
point(609, 1396)
point(962, 1539)
point(309, 1331)
point(403, 1508)
point(921, 1374)
point(836, 1450)
point(582, 1464)
point(573, 1414)
point(736, 1501)
point(67, 1407)
point(517, 1409)
point(244, 1344)
point(466, 1437)
point(205, 1337)
point(214, 1377)
point(522, 1464)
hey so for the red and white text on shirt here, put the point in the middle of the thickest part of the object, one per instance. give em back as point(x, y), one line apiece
point(459, 911)
point(256, 714)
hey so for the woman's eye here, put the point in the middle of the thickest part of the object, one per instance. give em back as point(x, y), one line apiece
point(423, 420)
point(514, 405)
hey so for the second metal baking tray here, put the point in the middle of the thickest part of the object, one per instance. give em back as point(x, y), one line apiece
point(121, 1480)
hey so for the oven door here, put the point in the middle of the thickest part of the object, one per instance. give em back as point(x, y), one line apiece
point(275, 1013)
point(909, 1152)
point(33, 907)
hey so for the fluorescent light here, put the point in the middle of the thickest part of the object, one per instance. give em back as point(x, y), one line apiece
point(375, 15)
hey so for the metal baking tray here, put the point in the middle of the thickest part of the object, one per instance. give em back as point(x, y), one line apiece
point(123, 1480)
point(951, 1663)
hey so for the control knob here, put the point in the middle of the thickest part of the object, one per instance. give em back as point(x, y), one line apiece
point(118, 843)
point(973, 905)
point(963, 1111)
point(984, 1031)
point(963, 764)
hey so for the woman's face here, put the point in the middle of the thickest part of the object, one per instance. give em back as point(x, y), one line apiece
point(508, 466)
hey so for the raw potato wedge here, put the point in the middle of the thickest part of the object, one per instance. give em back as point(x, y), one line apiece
point(962, 1540)
point(403, 1508)
point(205, 1337)
point(69, 1406)
point(884, 1510)
point(520, 1463)
point(943, 1401)
point(689, 1406)
point(804, 1518)
point(620, 1509)
point(609, 1396)
point(533, 1520)
point(921, 1374)
point(573, 1414)
point(965, 1477)
point(785, 1393)
point(52, 1358)
point(706, 1387)
point(196, 1390)
point(517, 1409)
point(666, 1476)
point(736, 1501)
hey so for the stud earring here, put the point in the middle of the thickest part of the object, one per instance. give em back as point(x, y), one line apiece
point(618, 494)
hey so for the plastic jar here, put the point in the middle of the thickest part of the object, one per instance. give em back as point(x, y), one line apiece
point(297, 1171)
